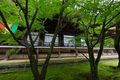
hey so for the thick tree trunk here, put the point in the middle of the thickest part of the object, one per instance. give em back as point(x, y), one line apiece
point(117, 43)
point(94, 72)
point(118, 51)
point(93, 66)
point(93, 62)
point(119, 60)
point(33, 64)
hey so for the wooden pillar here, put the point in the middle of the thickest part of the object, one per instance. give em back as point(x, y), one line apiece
point(59, 54)
point(76, 53)
point(42, 38)
point(61, 39)
point(38, 53)
point(112, 52)
point(103, 53)
point(7, 55)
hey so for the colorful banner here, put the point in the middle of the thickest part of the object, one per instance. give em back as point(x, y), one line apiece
point(14, 27)
point(4, 30)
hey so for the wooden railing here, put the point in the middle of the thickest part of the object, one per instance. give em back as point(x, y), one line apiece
point(59, 49)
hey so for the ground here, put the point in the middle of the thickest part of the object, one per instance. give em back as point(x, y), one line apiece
point(107, 71)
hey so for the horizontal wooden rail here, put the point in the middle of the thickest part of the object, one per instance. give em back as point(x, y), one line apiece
point(43, 47)
point(59, 49)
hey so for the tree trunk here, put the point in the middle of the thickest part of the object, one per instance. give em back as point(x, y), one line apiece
point(33, 64)
point(93, 66)
point(117, 43)
point(44, 68)
point(93, 62)
point(119, 60)
point(94, 72)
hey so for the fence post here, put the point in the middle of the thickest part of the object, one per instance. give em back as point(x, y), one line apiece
point(112, 52)
point(76, 53)
point(7, 55)
point(59, 54)
point(103, 53)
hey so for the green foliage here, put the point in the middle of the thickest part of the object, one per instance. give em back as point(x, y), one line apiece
point(87, 10)
point(109, 42)
point(13, 51)
point(93, 14)
point(4, 37)
point(19, 34)
point(74, 20)
point(13, 14)
point(10, 11)
point(10, 41)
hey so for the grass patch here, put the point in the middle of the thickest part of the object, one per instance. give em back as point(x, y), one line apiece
point(42, 61)
point(106, 69)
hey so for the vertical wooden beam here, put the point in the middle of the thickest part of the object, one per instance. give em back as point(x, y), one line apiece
point(38, 53)
point(42, 37)
point(61, 39)
point(76, 53)
point(59, 52)
point(7, 55)
point(112, 52)
point(103, 53)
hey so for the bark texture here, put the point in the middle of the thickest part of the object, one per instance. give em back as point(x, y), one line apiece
point(33, 64)
point(117, 42)
point(94, 62)
point(93, 66)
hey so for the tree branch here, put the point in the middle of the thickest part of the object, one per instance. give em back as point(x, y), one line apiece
point(39, 31)
point(25, 11)
point(112, 18)
point(20, 6)
point(32, 21)
point(45, 65)
point(26, 18)
point(62, 27)
point(101, 47)
point(2, 24)
point(95, 18)
point(94, 26)
point(82, 54)
point(28, 26)
point(6, 25)
point(34, 15)
point(84, 24)
point(100, 33)
point(113, 25)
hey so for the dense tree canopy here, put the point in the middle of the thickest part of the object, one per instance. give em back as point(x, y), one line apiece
point(97, 16)
point(94, 17)
point(31, 15)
